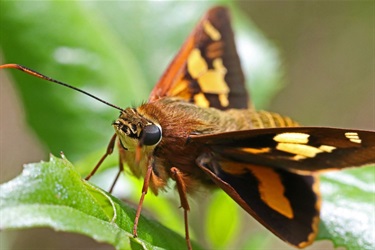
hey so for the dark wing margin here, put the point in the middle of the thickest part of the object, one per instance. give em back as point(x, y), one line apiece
point(302, 150)
point(287, 204)
point(207, 69)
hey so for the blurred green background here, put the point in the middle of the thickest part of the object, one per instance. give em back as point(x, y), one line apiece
point(311, 60)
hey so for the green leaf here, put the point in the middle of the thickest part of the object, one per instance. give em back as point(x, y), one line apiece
point(53, 194)
point(348, 211)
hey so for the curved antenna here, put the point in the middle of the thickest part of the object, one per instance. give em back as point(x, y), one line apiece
point(36, 74)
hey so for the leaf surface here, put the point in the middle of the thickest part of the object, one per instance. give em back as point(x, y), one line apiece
point(52, 194)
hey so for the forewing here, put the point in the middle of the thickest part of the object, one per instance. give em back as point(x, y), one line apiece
point(287, 204)
point(207, 70)
point(298, 149)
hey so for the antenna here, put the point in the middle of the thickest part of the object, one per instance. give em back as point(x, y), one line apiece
point(36, 74)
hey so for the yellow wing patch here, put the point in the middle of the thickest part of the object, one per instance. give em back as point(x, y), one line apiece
point(292, 138)
point(302, 151)
point(211, 81)
point(201, 100)
point(211, 31)
point(295, 143)
point(196, 64)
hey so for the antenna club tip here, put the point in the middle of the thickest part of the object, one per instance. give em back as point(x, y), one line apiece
point(15, 66)
point(9, 65)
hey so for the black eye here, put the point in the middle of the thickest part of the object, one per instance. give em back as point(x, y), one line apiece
point(151, 135)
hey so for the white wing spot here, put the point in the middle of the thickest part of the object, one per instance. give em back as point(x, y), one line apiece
point(353, 137)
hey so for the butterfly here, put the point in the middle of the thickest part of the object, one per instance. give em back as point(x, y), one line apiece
point(199, 128)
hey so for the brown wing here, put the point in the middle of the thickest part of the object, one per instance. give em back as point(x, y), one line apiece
point(269, 172)
point(207, 70)
point(287, 204)
point(296, 149)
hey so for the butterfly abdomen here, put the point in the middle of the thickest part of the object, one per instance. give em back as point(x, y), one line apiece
point(265, 119)
point(250, 119)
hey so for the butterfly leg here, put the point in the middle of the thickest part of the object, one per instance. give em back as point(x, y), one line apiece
point(146, 182)
point(109, 151)
point(177, 175)
point(121, 169)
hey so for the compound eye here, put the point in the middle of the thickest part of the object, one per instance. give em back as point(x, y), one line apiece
point(151, 135)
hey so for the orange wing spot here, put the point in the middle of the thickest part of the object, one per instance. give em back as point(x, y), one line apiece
point(272, 190)
point(214, 50)
point(234, 168)
point(256, 150)
point(181, 87)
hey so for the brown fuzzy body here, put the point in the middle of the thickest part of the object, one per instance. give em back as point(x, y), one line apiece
point(178, 120)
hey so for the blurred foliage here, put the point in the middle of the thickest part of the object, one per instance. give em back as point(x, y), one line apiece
point(117, 51)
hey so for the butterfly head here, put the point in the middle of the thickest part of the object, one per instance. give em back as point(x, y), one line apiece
point(133, 129)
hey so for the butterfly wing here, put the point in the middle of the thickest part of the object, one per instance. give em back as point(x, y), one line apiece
point(270, 172)
point(299, 149)
point(286, 203)
point(207, 70)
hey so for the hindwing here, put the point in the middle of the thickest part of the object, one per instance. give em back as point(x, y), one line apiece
point(287, 204)
point(271, 172)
